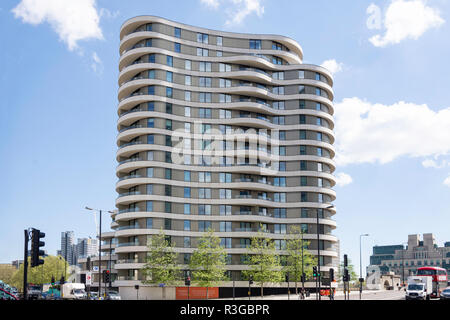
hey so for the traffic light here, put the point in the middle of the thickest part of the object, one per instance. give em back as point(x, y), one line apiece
point(62, 281)
point(287, 277)
point(346, 275)
point(88, 264)
point(345, 261)
point(250, 280)
point(106, 276)
point(315, 273)
point(187, 281)
point(331, 275)
point(303, 278)
point(36, 244)
point(53, 280)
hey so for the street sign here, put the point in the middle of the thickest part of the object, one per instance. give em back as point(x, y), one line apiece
point(95, 268)
point(88, 279)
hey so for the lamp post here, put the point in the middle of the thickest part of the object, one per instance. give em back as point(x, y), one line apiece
point(360, 264)
point(99, 248)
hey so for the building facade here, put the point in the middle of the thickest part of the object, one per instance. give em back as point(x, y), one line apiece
point(418, 253)
point(220, 130)
point(68, 247)
point(87, 247)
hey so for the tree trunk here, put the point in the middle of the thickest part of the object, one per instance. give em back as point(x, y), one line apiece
point(206, 293)
point(262, 290)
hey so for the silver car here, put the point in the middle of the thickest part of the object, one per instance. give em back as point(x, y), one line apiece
point(445, 295)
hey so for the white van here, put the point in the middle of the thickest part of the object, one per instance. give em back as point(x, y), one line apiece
point(73, 291)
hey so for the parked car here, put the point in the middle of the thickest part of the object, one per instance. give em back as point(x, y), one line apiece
point(445, 294)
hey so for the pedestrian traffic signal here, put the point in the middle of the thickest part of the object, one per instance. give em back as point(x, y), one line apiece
point(106, 276)
point(331, 275)
point(187, 281)
point(36, 244)
point(250, 280)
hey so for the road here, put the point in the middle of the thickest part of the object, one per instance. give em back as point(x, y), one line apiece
point(367, 295)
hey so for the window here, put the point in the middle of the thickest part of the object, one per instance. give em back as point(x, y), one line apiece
point(168, 141)
point(219, 41)
point(150, 139)
point(279, 105)
point(225, 242)
point(149, 223)
point(168, 174)
point(204, 193)
point(167, 207)
point(223, 67)
point(168, 190)
point(277, 46)
point(278, 90)
point(151, 90)
point(302, 150)
point(301, 89)
point(319, 136)
point(150, 156)
point(168, 108)
point(204, 225)
point(187, 176)
point(319, 152)
point(205, 97)
point(225, 193)
point(225, 226)
point(205, 66)
point(187, 96)
point(303, 181)
point(204, 113)
point(149, 206)
point(149, 189)
point(224, 98)
point(255, 44)
point(303, 165)
point(219, 53)
point(204, 177)
point(301, 74)
point(225, 210)
point(187, 225)
point(301, 104)
point(187, 192)
point(279, 182)
point(276, 60)
point(150, 106)
point(148, 42)
point(282, 166)
point(204, 209)
point(318, 121)
point(202, 38)
point(280, 228)
point(302, 119)
point(187, 64)
point(187, 111)
point(169, 92)
point(169, 61)
point(279, 212)
point(278, 75)
point(187, 241)
point(318, 92)
point(169, 76)
point(225, 177)
point(177, 32)
point(318, 106)
point(282, 135)
point(187, 80)
point(177, 47)
point(303, 197)
point(187, 208)
point(302, 135)
point(224, 114)
point(149, 172)
point(148, 27)
point(167, 224)
point(151, 74)
point(202, 52)
point(204, 82)
point(150, 123)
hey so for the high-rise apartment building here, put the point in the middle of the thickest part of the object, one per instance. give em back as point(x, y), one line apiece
point(87, 247)
point(220, 130)
point(68, 247)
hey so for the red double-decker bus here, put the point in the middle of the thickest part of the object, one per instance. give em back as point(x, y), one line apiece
point(439, 276)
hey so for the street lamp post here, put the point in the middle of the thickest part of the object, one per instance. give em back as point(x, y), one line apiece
point(360, 264)
point(99, 249)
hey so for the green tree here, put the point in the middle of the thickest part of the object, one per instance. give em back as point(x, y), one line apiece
point(263, 261)
point(53, 266)
point(6, 273)
point(299, 258)
point(208, 261)
point(161, 266)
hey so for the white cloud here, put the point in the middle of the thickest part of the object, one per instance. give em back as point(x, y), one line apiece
point(211, 3)
point(236, 10)
point(72, 20)
point(407, 20)
point(332, 65)
point(371, 133)
point(429, 163)
point(108, 14)
point(97, 64)
point(343, 179)
point(447, 181)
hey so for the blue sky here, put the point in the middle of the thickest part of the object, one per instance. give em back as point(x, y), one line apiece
point(58, 85)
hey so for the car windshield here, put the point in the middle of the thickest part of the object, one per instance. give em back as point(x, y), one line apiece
point(113, 294)
point(447, 291)
point(78, 291)
point(415, 287)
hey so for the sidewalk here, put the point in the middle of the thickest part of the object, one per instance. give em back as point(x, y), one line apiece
point(313, 296)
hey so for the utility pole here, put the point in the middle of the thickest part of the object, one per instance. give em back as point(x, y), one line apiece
point(25, 266)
